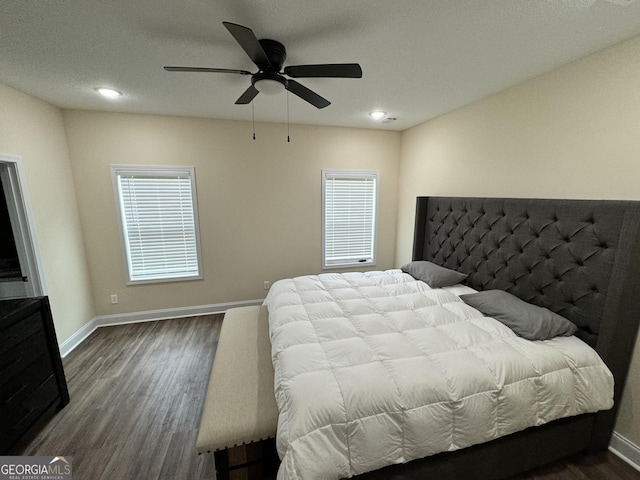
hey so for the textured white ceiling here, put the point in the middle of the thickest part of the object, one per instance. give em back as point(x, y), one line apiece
point(419, 58)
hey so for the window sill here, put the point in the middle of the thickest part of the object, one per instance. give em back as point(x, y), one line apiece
point(164, 280)
point(349, 265)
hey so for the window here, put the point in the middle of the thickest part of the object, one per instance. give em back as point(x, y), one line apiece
point(157, 213)
point(349, 202)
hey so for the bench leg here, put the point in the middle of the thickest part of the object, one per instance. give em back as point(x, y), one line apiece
point(254, 461)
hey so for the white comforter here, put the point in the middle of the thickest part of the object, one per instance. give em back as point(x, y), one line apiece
point(376, 368)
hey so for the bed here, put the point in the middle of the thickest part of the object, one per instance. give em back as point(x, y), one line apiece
point(577, 259)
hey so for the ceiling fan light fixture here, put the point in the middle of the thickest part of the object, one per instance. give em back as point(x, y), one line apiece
point(269, 86)
point(378, 115)
point(108, 92)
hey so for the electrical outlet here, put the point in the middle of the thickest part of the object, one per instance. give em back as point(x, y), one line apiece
point(114, 299)
point(265, 285)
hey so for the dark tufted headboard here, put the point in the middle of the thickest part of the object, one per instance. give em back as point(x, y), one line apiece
point(559, 254)
point(578, 258)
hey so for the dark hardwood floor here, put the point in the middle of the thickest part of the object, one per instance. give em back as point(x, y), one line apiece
point(137, 393)
point(601, 466)
point(136, 396)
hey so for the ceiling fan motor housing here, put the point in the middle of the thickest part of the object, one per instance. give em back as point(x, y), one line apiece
point(276, 53)
point(268, 74)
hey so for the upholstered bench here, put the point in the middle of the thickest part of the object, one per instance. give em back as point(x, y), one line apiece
point(240, 416)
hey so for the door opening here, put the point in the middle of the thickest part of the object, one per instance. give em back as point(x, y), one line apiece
point(20, 272)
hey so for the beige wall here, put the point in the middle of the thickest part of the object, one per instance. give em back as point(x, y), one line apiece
point(259, 201)
point(33, 130)
point(571, 133)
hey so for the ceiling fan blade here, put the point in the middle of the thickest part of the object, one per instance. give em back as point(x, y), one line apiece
point(249, 43)
point(309, 95)
point(206, 70)
point(248, 95)
point(333, 70)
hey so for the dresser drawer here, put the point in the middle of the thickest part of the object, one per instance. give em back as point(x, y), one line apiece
point(17, 390)
point(24, 415)
point(16, 333)
point(16, 359)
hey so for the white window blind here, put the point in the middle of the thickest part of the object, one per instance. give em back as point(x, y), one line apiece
point(349, 217)
point(158, 219)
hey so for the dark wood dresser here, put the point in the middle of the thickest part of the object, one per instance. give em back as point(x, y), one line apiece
point(32, 383)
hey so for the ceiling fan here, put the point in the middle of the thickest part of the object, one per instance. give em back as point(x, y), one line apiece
point(269, 56)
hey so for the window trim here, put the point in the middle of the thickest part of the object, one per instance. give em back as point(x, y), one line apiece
point(361, 174)
point(116, 171)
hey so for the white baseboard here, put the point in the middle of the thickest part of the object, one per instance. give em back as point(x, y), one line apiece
point(78, 337)
point(626, 450)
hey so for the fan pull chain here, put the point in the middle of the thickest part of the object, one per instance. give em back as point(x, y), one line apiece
point(288, 139)
point(253, 120)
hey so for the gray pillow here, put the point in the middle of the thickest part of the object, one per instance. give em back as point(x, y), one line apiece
point(433, 275)
point(528, 321)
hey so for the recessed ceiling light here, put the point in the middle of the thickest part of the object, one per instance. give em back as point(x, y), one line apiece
point(377, 114)
point(108, 92)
